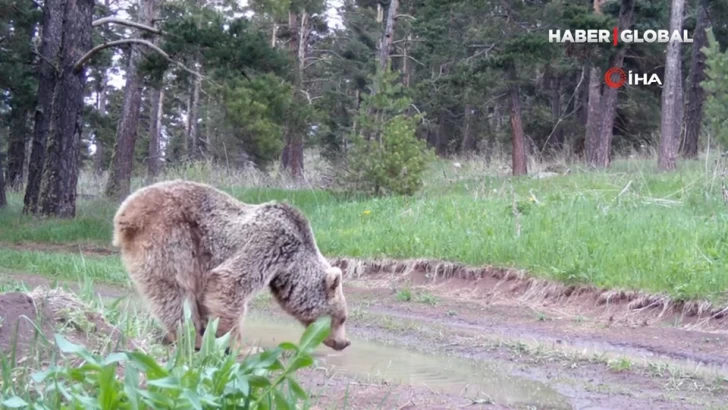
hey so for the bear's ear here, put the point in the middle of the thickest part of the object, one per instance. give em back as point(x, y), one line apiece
point(333, 279)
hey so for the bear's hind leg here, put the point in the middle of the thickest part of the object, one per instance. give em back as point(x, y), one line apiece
point(166, 301)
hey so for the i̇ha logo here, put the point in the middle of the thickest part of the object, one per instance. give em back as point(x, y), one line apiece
point(615, 77)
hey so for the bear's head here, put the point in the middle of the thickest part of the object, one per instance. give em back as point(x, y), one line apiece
point(309, 296)
point(336, 308)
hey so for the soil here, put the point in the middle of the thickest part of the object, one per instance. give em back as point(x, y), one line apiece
point(598, 350)
point(18, 314)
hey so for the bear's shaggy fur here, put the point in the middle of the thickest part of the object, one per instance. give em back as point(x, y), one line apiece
point(182, 241)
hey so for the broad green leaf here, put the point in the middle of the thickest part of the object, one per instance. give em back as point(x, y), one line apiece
point(296, 388)
point(14, 403)
point(281, 401)
point(66, 346)
point(193, 398)
point(114, 358)
point(208, 339)
point(156, 400)
point(131, 388)
point(107, 395)
point(315, 333)
point(288, 346)
point(147, 364)
point(300, 361)
point(243, 385)
point(258, 381)
point(169, 382)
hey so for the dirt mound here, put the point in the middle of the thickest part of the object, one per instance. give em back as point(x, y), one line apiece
point(17, 323)
point(28, 323)
point(490, 284)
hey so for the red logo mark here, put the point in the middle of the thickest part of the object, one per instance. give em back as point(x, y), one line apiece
point(616, 35)
point(611, 73)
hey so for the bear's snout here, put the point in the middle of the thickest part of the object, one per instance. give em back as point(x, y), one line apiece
point(337, 345)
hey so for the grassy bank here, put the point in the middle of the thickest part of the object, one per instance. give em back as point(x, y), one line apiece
point(630, 227)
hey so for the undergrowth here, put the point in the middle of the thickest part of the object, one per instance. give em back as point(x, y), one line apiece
point(78, 378)
point(629, 227)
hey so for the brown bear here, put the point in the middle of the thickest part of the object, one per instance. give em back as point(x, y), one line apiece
point(183, 240)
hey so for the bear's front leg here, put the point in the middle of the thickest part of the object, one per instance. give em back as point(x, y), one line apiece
point(228, 288)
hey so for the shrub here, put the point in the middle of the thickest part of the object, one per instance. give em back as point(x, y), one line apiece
point(189, 380)
point(716, 87)
point(386, 156)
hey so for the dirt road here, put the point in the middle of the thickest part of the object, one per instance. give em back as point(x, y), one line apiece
point(450, 344)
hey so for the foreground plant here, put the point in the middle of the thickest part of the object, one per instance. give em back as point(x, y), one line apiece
point(206, 379)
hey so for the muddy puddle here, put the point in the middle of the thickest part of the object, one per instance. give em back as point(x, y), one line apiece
point(376, 362)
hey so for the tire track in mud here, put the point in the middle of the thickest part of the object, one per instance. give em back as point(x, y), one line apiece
point(472, 334)
point(504, 331)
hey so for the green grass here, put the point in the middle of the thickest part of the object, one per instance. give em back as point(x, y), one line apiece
point(65, 266)
point(664, 233)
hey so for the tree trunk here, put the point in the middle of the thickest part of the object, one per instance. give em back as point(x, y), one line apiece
point(406, 66)
point(101, 109)
point(20, 107)
point(696, 94)
point(16, 146)
point(155, 128)
point(122, 163)
point(669, 133)
point(385, 46)
point(3, 198)
point(582, 112)
point(193, 141)
point(679, 107)
point(495, 126)
point(274, 36)
point(292, 155)
point(557, 135)
point(60, 171)
point(468, 137)
point(51, 37)
point(519, 164)
point(593, 120)
point(601, 157)
point(443, 138)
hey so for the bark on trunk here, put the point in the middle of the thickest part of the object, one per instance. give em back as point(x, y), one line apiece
point(557, 135)
point(468, 137)
point(16, 146)
point(193, 140)
point(385, 45)
point(274, 36)
point(51, 38)
point(582, 112)
point(21, 106)
point(443, 137)
point(696, 94)
point(496, 126)
point(292, 155)
point(122, 164)
point(155, 127)
point(519, 148)
point(60, 171)
point(406, 66)
point(99, 165)
point(593, 121)
point(601, 157)
point(669, 133)
point(3, 198)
